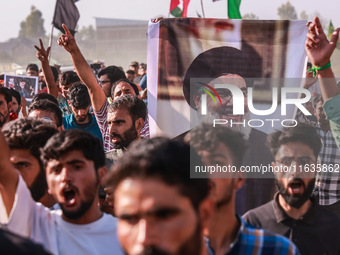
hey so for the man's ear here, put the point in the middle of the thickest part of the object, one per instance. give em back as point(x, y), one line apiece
point(9, 106)
point(139, 124)
point(206, 212)
point(102, 172)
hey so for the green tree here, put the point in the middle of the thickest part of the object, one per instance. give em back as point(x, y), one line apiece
point(250, 16)
point(33, 26)
point(287, 11)
point(304, 15)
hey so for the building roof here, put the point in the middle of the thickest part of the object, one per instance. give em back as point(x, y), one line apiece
point(107, 22)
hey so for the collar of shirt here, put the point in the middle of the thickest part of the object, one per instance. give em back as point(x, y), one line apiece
point(281, 215)
point(239, 232)
point(73, 121)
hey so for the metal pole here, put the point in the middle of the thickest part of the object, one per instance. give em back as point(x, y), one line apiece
point(50, 43)
point(202, 9)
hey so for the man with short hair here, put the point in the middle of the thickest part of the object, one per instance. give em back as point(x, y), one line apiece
point(5, 106)
point(294, 212)
point(16, 101)
point(80, 102)
point(67, 79)
point(125, 120)
point(25, 137)
point(130, 75)
point(228, 233)
point(45, 109)
point(97, 95)
point(32, 70)
point(160, 209)
point(107, 76)
point(74, 162)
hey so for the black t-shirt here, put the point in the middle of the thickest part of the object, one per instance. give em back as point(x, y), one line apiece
point(317, 232)
point(13, 244)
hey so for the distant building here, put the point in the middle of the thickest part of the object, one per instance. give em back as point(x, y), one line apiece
point(121, 41)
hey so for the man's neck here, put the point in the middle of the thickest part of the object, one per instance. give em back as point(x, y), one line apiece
point(223, 229)
point(294, 212)
point(86, 121)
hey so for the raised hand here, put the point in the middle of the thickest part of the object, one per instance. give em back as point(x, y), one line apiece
point(67, 40)
point(318, 48)
point(42, 54)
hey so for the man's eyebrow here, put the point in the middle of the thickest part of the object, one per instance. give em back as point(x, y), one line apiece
point(75, 161)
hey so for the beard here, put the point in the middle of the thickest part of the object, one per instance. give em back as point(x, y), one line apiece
point(3, 118)
point(90, 195)
point(296, 200)
point(80, 118)
point(227, 195)
point(126, 138)
point(190, 247)
point(39, 186)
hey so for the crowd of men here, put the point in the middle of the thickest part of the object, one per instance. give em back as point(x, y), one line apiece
point(79, 173)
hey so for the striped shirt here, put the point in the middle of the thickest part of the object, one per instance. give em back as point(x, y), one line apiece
point(101, 117)
point(251, 240)
point(327, 184)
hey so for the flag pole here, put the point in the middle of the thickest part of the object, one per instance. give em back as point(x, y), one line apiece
point(202, 9)
point(50, 43)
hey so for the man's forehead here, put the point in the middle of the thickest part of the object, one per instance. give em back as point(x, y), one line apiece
point(148, 194)
point(68, 157)
point(123, 86)
point(231, 79)
point(119, 113)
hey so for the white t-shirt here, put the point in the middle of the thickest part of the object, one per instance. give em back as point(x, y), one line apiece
point(31, 219)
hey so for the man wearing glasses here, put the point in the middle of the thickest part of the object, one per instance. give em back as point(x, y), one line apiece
point(107, 76)
point(294, 212)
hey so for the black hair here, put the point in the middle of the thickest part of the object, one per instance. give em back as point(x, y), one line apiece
point(130, 72)
point(164, 159)
point(206, 137)
point(7, 94)
point(46, 96)
point(78, 96)
point(135, 106)
point(134, 86)
point(33, 67)
point(114, 73)
point(69, 77)
point(74, 139)
point(302, 132)
point(15, 94)
point(46, 105)
point(30, 134)
point(55, 73)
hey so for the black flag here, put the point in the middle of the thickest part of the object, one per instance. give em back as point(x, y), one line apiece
point(66, 12)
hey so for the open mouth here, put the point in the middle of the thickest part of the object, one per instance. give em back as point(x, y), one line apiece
point(296, 186)
point(69, 194)
point(115, 138)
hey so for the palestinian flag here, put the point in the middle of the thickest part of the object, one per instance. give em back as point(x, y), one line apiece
point(179, 8)
point(330, 32)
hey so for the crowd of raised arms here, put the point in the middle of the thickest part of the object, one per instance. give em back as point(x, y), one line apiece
point(79, 173)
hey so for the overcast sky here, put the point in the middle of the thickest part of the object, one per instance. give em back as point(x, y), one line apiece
point(15, 11)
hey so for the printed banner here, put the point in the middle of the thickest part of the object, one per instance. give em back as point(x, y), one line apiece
point(263, 53)
point(27, 86)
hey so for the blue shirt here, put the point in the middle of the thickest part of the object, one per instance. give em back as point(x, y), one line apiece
point(251, 240)
point(91, 127)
